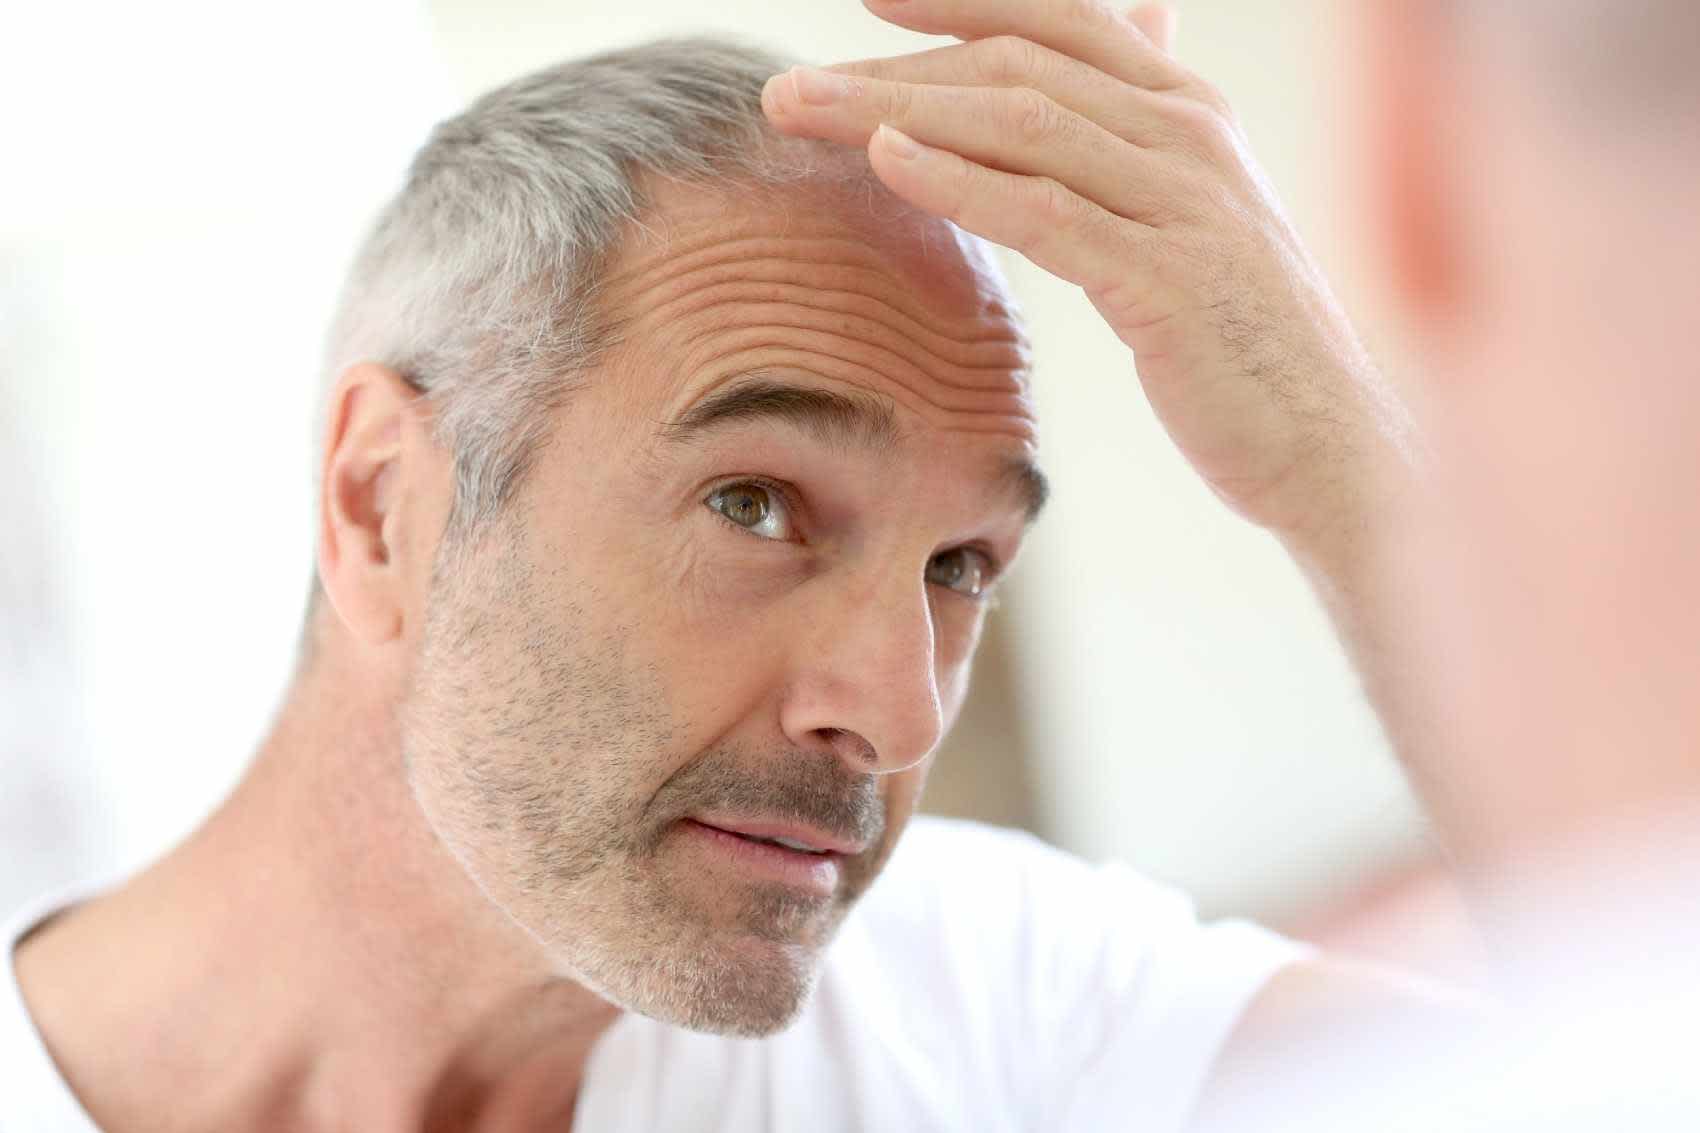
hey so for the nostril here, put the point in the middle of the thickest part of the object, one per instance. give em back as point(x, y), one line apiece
point(850, 745)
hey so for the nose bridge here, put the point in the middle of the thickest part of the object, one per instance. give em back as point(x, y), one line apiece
point(875, 669)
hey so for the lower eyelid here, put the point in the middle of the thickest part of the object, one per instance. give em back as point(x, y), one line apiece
point(775, 490)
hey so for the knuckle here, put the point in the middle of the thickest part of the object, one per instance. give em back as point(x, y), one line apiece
point(964, 184)
point(897, 102)
point(1204, 130)
point(1051, 201)
point(1033, 118)
point(1210, 95)
point(1220, 142)
point(1007, 60)
point(1086, 13)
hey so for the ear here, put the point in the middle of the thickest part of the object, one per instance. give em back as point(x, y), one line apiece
point(382, 502)
point(1408, 59)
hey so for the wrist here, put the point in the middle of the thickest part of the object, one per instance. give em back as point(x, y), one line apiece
point(1363, 510)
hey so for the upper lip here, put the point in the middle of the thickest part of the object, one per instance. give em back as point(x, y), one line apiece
point(778, 828)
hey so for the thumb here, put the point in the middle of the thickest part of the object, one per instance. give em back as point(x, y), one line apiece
point(1157, 21)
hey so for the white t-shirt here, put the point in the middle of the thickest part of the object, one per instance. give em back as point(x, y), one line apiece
point(987, 981)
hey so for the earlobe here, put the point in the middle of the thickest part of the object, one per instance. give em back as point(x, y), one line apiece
point(364, 523)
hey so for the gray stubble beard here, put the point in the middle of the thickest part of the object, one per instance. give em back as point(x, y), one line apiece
point(498, 697)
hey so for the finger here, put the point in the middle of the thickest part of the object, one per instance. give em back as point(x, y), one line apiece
point(1014, 130)
point(1059, 230)
point(1157, 21)
point(1131, 113)
point(1088, 30)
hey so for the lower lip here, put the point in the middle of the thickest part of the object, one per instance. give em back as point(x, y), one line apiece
point(817, 873)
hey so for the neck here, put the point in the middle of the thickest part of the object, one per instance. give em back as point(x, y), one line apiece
point(313, 953)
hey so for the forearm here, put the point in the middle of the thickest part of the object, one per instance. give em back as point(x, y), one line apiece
point(1375, 574)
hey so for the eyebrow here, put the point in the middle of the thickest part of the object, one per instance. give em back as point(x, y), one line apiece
point(847, 418)
point(1029, 483)
point(859, 420)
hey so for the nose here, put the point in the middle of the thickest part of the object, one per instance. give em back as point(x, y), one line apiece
point(866, 685)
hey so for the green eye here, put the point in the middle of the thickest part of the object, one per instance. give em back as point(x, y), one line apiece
point(962, 569)
point(754, 508)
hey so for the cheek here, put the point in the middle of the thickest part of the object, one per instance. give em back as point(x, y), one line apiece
point(902, 792)
point(958, 628)
point(710, 626)
point(722, 581)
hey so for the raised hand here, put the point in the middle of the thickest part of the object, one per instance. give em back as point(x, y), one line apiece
point(1064, 130)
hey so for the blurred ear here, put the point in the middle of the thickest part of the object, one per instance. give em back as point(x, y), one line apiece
point(382, 502)
point(1409, 59)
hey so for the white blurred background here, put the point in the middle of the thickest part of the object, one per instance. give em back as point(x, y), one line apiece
point(185, 182)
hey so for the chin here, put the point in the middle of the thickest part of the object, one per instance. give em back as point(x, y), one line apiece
point(729, 963)
point(746, 988)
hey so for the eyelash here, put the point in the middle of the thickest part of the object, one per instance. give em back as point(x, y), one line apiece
point(994, 563)
point(780, 490)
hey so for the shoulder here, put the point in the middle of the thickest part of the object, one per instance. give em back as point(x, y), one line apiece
point(37, 1096)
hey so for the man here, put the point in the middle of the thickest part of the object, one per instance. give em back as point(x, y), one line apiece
point(668, 464)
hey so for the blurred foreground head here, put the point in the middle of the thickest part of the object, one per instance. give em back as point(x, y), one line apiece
point(1535, 176)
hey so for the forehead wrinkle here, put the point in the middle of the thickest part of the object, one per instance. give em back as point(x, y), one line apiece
point(1004, 349)
point(953, 316)
point(976, 376)
point(998, 410)
point(668, 273)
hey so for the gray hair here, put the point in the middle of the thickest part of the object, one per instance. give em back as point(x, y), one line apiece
point(478, 281)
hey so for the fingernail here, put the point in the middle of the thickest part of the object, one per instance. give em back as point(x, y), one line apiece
point(899, 143)
point(818, 87)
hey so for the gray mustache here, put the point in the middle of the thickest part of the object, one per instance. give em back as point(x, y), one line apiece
point(804, 787)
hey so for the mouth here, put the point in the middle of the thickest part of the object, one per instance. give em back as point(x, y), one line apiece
point(793, 855)
point(795, 836)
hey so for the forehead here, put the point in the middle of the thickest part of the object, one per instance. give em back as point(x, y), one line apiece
point(839, 281)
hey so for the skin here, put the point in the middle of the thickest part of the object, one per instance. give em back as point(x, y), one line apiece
point(491, 756)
